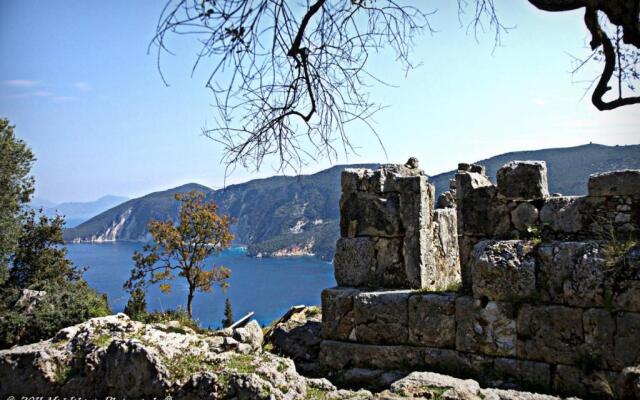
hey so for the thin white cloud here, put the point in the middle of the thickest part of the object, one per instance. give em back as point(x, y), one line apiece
point(42, 93)
point(63, 98)
point(82, 86)
point(539, 101)
point(20, 83)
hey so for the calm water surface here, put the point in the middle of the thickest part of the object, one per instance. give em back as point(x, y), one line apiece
point(267, 286)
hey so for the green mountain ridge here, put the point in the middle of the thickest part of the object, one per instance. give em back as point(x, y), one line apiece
point(299, 215)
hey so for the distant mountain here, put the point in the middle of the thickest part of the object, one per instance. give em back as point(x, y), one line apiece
point(77, 212)
point(37, 202)
point(285, 215)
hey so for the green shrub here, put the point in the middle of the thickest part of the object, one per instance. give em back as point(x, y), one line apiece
point(136, 307)
point(63, 305)
point(179, 314)
point(33, 257)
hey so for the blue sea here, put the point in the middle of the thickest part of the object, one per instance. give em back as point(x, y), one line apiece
point(266, 286)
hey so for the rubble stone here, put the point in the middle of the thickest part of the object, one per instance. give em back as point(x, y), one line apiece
point(524, 216)
point(446, 200)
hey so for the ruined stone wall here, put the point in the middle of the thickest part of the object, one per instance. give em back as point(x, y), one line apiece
point(390, 235)
point(551, 300)
point(519, 207)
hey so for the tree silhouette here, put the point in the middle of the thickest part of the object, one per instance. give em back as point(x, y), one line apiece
point(228, 314)
point(288, 77)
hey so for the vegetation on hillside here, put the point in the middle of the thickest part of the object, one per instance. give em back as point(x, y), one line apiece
point(41, 291)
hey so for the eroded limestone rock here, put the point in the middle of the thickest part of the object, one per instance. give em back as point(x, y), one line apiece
point(115, 356)
point(297, 334)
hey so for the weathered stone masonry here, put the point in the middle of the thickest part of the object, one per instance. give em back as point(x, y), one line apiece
point(550, 294)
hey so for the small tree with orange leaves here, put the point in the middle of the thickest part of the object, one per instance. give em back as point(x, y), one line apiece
point(182, 249)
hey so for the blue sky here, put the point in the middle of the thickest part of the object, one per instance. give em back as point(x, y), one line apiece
point(77, 81)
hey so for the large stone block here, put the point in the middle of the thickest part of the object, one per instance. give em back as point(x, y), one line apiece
point(572, 273)
point(523, 180)
point(432, 320)
point(400, 179)
point(485, 327)
point(627, 296)
point(418, 247)
point(343, 355)
point(354, 258)
point(627, 339)
point(337, 313)
point(625, 282)
point(615, 183)
point(599, 331)
point(503, 270)
point(552, 334)
point(370, 262)
point(467, 182)
point(357, 180)
point(381, 317)
point(523, 373)
point(594, 384)
point(466, 244)
point(563, 214)
point(479, 211)
point(389, 270)
point(447, 253)
point(368, 214)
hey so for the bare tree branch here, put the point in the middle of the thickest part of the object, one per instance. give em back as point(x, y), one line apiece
point(288, 80)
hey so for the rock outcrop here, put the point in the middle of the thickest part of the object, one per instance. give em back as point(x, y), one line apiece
point(118, 357)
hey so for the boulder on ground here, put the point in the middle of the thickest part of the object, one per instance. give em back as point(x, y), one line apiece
point(297, 334)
